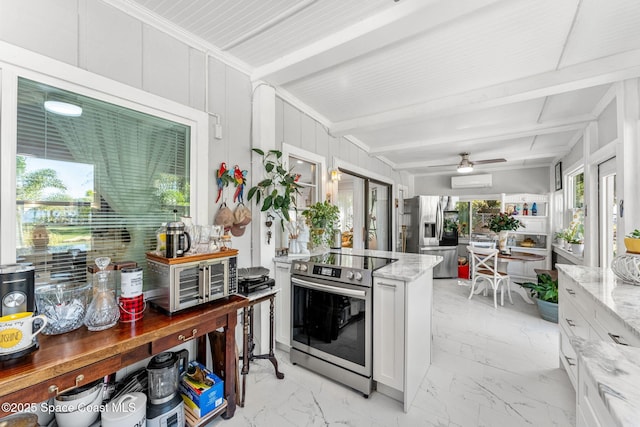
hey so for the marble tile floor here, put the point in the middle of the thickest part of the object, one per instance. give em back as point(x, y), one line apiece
point(490, 367)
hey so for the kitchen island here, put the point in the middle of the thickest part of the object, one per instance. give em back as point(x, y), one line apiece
point(599, 319)
point(400, 327)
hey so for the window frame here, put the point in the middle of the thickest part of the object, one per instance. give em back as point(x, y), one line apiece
point(289, 151)
point(27, 64)
point(571, 187)
point(469, 200)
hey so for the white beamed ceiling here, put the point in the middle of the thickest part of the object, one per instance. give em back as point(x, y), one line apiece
point(418, 81)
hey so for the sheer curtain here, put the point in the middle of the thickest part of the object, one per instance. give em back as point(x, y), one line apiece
point(128, 156)
point(140, 175)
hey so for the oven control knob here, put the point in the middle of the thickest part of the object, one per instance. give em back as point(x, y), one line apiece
point(358, 276)
point(349, 275)
point(303, 267)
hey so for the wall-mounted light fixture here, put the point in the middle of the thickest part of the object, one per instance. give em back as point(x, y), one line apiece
point(334, 174)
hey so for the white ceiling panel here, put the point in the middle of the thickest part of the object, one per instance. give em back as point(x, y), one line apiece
point(602, 28)
point(222, 21)
point(523, 38)
point(419, 81)
point(575, 103)
point(461, 126)
point(314, 22)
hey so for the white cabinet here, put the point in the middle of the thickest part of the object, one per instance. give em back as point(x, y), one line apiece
point(591, 411)
point(579, 315)
point(388, 328)
point(283, 305)
point(401, 335)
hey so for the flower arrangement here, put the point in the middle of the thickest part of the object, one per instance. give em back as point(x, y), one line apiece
point(504, 222)
point(575, 232)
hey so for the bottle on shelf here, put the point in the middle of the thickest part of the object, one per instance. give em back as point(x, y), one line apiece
point(525, 209)
point(534, 209)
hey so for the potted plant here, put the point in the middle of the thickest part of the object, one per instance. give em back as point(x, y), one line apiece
point(322, 219)
point(546, 294)
point(632, 242)
point(502, 223)
point(560, 238)
point(278, 189)
point(575, 237)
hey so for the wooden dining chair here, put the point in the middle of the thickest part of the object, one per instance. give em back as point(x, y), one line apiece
point(484, 265)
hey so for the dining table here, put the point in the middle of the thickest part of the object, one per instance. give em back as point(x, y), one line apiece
point(504, 258)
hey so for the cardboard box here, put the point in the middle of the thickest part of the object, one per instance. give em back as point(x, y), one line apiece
point(200, 397)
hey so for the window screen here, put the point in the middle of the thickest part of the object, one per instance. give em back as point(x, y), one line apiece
point(95, 184)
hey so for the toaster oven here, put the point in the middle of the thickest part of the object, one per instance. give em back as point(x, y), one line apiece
point(178, 283)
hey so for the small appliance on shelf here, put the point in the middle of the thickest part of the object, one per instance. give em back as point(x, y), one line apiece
point(176, 284)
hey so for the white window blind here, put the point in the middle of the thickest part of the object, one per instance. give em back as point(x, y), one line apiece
point(98, 184)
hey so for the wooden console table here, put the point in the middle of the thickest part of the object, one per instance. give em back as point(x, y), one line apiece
point(76, 358)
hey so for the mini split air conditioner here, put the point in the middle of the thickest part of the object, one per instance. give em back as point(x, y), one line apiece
point(471, 181)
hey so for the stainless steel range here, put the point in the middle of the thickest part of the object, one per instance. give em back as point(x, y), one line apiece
point(331, 316)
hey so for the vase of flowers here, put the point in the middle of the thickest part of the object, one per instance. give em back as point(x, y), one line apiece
point(502, 223)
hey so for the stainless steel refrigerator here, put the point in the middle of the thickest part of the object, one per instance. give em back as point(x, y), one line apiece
point(424, 220)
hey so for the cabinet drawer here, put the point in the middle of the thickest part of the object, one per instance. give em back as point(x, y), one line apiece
point(180, 337)
point(575, 295)
point(568, 358)
point(610, 328)
point(54, 386)
point(572, 321)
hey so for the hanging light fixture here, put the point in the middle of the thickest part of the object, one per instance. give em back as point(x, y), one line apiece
point(465, 165)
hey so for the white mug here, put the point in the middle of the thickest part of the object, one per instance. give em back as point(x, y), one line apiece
point(16, 331)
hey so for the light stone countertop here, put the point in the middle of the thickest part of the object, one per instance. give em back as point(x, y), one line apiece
point(620, 299)
point(408, 268)
point(615, 370)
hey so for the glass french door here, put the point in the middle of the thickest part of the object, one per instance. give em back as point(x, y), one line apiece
point(608, 212)
point(365, 211)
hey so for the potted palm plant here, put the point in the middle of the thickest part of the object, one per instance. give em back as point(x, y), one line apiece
point(322, 219)
point(546, 294)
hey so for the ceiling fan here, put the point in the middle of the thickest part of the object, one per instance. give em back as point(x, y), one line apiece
point(466, 165)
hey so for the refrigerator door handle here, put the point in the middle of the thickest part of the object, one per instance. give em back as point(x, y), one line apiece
point(439, 222)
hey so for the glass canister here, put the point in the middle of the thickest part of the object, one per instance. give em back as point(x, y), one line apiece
point(103, 311)
point(225, 242)
point(161, 239)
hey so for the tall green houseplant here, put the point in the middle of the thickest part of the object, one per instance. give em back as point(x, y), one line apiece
point(278, 189)
point(322, 219)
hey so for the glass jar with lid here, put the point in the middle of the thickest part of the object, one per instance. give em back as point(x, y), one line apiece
point(225, 242)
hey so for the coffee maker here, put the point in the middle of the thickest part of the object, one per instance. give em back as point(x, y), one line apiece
point(16, 288)
point(17, 295)
point(164, 407)
point(178, 240)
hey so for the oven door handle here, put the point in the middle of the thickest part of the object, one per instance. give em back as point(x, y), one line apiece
point(331, 289)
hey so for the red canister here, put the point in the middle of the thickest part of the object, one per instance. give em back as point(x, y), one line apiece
point(132, 309)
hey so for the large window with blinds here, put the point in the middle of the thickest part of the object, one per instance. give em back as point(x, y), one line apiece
point(96, 179)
